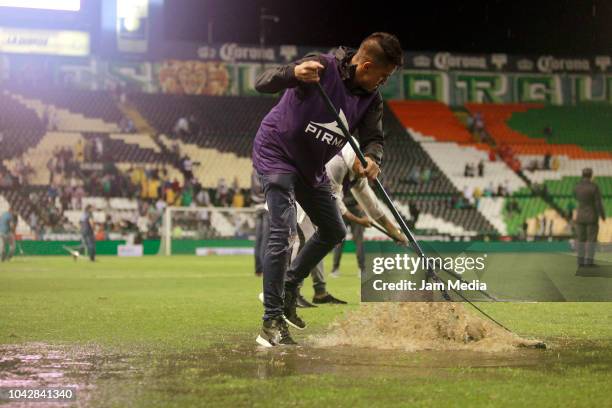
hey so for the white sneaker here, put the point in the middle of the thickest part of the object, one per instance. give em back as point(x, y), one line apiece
point(260, 297)
point(335, 273)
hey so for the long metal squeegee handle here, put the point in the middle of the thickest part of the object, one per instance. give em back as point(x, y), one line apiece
point(379, 187)
point(431, 274)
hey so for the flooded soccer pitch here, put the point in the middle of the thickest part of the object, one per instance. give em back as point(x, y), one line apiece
point(170, 332)
point(103, 378)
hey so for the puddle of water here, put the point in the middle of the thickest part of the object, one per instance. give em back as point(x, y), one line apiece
point(87, 368)
point(37, 365)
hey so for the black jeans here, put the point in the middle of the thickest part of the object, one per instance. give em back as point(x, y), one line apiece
point(282, 191)
point(262, 227)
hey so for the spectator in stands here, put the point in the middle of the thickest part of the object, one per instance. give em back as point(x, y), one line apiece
point(203, 198)
point(468, 194)
point(170, 196)
point(458, 202)
point(187, 195)
point(479, 125)
point(187, 169)
point(492, 155)
point(551, 223)
point(129, 126)
point(480, 168)
point(77, 195)
point(98, 149)
point(175, 149)
point(181, 128)
point(548, 131)
point(153, 187)
point(238, 199)
point(80, 151)
point(65, 198)
point(426, 175)
point(469, 170)
point(489, 190)
point(541, 225)
point(515, 165)
point(470, 121)
point(554, 164)
point(106, 186)
point(533, 165)
point(176, 186)
point(222, 192)
point(590, 210)
point(512, 207)
point(6, 181)
point(547, 158)
point(415, 175)
point(477, 195)
point(107, 227)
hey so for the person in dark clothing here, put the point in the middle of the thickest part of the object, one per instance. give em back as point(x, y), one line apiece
point(590, 210)
point(294, 142)
point(547, 158)
point(87, 232)
point(357, 226)
point(481, 168)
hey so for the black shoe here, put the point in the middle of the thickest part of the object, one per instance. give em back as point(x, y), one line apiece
point(303, 303)
point(328, 299)
point(274, 332)
point(290, 313)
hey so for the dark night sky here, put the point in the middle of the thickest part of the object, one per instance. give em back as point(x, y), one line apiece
point(537, 26)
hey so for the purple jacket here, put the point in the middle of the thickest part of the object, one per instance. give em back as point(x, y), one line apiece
point(299, 135)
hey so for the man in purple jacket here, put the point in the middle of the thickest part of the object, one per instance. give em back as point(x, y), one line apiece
point(294, 142)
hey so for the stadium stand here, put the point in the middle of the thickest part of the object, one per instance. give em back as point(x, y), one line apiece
point(427, 149)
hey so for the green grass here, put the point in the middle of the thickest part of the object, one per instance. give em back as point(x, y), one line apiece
point(180, 332)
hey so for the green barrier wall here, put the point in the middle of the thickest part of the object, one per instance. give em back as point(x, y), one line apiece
point(188, 247)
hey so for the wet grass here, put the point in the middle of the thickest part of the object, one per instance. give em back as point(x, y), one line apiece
point(179, 332)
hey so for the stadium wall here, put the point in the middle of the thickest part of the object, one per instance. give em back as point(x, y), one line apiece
point(188, 247)
point(484, 83)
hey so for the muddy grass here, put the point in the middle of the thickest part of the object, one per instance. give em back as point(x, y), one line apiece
point(420, 326)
